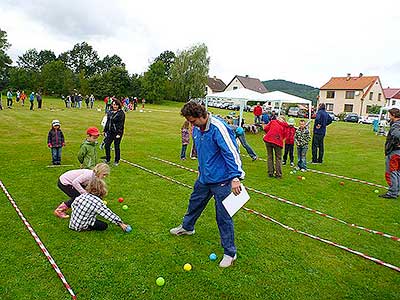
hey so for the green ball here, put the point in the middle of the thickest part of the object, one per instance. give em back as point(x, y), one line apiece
point(376, 191)
point(125, 207)
point(160, 281)
point(291, 172)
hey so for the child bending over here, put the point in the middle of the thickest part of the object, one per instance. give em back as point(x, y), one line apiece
point(86, 207)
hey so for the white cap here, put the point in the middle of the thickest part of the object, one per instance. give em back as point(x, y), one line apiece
point(55, 123)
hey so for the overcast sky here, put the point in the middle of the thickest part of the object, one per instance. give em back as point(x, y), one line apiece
point(302, 41)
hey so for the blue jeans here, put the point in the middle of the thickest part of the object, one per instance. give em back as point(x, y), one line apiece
point(201, 194)
point(183, 151)
point(246, 146)
point(257, 119)
point(302, 157)
point(56, 155)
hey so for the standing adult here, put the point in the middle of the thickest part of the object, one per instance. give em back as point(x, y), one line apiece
point(9, 99)
point(220, 171)
point(257, 111)
point(275, 133)
point(241, 136)
point(322, 120)
point(114, 130)
point(31, 100)
point(91, 99)
point(39, 100)
point(392, 154)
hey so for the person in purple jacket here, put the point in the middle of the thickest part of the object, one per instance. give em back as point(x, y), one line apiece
point(55, 141)
point(220, 172)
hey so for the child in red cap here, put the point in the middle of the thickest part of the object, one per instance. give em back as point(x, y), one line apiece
point(87, 154)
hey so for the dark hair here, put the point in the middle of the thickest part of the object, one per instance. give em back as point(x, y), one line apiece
point(395, 112)
point(116, 101)
point(193, 109)
point(321, 106)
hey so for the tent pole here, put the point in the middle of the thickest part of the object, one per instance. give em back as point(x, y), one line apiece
point(280, 107)
point(206, 103)
point(241, 112)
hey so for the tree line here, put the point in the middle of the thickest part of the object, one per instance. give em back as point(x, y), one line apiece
point(176, 76)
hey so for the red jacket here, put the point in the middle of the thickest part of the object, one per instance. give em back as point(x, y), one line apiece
point(290, 132)
point(257, 111)
point(275, 132)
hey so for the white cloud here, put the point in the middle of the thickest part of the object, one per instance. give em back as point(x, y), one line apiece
point(304, 41)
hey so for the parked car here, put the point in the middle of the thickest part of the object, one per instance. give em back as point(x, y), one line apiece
point(368, 119)
point(351, 117)
point(334, 118)
point(293, 111)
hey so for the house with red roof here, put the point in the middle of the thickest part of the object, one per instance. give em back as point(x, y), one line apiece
point(247, 82)
point(392, 96)
point(352, 94)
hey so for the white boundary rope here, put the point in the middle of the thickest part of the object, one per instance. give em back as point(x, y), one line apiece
point(375, 260)
point(334, 175)
point(39, 242)
point(389, 236)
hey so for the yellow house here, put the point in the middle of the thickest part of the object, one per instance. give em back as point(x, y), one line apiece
point(352, 94)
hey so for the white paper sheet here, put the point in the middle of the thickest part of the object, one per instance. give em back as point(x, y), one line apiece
point(233, 203)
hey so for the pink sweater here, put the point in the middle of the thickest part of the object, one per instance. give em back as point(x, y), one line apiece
point(77, 178)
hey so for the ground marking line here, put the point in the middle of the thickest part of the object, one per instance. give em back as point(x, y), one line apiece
point(386, 235)
point(375, 260)
point(39, 242)
point(334, 175)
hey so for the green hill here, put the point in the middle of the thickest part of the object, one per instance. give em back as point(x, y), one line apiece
point(297, 89)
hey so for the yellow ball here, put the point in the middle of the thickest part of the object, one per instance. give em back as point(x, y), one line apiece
point(105, 202)
point(187, 267)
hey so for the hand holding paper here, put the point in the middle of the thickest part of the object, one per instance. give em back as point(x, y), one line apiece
point(233, 203)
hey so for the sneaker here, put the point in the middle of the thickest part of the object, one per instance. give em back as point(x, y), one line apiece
point(297, 168)
point(116, 164)
point(292, 164)
point(254, 158)
point(181, 231)
point(387, 196)
point(227, 261)
point(303, 170)
point(270, 175)
point(284, 163)
point(106, 161)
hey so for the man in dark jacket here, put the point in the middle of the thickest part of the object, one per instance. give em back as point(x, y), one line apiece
point(392, 153)
point(322, 120)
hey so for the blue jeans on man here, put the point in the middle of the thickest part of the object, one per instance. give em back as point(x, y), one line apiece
point(198, 201)
point(183, 151)
point(302, 157)
point(56, 155)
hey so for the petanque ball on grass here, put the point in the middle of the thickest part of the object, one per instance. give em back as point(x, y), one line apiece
point(294, 171)
point(160, 281)
point(291, 172)
point(213, 256)
point(141, 110)
point(125, 207)
point(128, 229)
point(303, 178)
point(376, 191)
point(120, 199)
point(299, 177)
point(341, 183)
point(187, 267)
point(105, 202)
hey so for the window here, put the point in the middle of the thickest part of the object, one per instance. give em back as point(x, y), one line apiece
point(329, 106)
point(349, 95)
point(393, 102)
point(368, 109)
point(235, 88)
point(371, 95)
point(379, 96)
point(330, 94)
point(348, 108)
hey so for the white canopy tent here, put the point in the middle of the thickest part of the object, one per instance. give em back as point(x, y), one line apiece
point(244, 95)
point(386, 108)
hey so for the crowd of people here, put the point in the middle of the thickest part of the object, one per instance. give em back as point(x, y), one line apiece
point(20, 98)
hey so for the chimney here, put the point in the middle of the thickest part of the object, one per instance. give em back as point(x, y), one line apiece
point(215, 77)
point(360, 75)
point(247, 76)
point(348, 76)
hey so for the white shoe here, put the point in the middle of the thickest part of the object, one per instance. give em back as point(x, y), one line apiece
point(181, 231)
point(227, 261)
point(303, 170)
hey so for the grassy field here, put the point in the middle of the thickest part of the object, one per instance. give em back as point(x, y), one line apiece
point(273, 263)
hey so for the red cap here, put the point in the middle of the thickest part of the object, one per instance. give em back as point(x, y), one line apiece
point(93, 131)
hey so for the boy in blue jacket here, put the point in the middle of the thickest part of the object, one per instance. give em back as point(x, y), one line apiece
point(322, 120)
point(220, 172)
